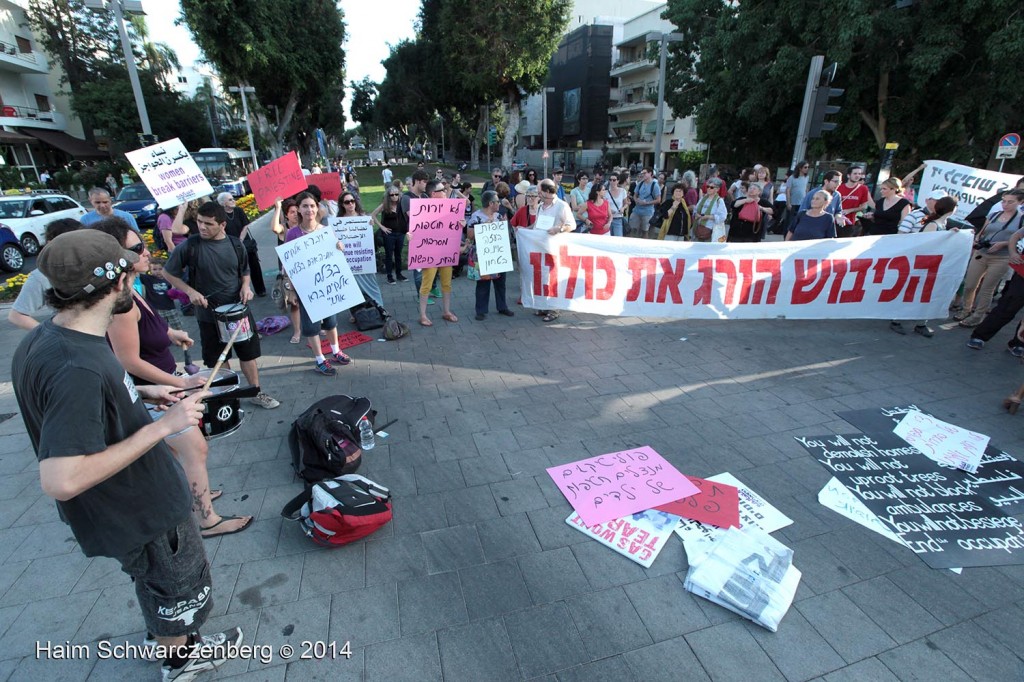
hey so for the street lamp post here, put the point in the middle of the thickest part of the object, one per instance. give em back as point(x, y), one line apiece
point(119, 8)
point(664, 39)
point(544, 115)
point(242, 89)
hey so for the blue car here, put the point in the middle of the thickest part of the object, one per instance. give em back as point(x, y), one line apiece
point(12, 255)
point(137, 200)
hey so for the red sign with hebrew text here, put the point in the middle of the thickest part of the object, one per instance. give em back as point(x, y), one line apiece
point(279, 179)
point(717, 504)
point(329, 184)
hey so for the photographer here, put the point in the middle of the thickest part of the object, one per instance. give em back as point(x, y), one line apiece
point(990, 259)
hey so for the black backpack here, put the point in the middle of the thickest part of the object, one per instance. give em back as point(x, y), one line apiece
point(324, 440)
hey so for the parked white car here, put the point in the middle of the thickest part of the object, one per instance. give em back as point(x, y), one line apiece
point(28, 215)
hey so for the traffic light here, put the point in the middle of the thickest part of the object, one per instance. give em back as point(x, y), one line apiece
point(492, 135)
point(822, 94)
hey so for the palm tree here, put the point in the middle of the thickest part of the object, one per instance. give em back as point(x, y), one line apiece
point(159, 58)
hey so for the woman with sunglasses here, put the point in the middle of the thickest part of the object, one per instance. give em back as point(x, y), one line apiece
point(351, 208)
point(141, 340)
point(286, 216)
point(391, 228)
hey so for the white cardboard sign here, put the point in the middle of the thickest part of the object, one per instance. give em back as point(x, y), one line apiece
point(356, 233)
point(170, 173)
point(320, 274)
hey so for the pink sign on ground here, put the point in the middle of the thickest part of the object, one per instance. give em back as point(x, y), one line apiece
point(435, 232)
point(620, 483)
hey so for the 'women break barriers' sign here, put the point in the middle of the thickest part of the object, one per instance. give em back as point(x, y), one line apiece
point(435, 232)
point(897, 277)
point(170, 173)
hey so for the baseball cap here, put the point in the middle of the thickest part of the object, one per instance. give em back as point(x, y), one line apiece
point(937, 194)
point(81, 262)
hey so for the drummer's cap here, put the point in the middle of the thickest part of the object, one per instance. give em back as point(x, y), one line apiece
point(83, 261)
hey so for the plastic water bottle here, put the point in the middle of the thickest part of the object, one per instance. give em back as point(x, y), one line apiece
point(366, 437)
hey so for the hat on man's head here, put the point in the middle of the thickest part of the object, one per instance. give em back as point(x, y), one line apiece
point(522, 186)
point(937, 194)
point(83, 261)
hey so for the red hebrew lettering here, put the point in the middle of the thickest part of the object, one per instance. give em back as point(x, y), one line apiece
point(773, 267)
point(860, 267)
point(574, 264)
point(930, 264)
point(838, 273)
point(552, 288)
point(642, 268)
point(608, 266)
point(702, 296)
point(880, 266)
point(729, 268)
point(671, 280)
point(747, 277)
point(901, 264)
point(810, 280)
point(538, 274)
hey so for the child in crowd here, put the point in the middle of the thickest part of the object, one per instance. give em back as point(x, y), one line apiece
point(158, 293)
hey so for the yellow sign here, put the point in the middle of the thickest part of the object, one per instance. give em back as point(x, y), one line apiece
point(892, 145)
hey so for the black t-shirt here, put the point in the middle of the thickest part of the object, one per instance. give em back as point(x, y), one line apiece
point(219, 277)
point(76, 399)
point(237, 220)
point(156, 292)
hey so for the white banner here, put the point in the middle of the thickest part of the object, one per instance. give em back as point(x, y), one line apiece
point(970, 186)
point(896, 277)
point(169, 172)
point(320, 274)
point(356, 233)
point(493, 249)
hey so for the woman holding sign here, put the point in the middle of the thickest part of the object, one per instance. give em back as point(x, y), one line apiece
point(488, 213)
point(351, 208)
point(309, 222)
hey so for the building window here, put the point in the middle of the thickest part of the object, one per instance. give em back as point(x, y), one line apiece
point(182, 79)
point(42, 103)
point(24, 45)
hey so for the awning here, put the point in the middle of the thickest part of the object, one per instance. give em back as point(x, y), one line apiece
point(652, 127)
point(16, 138)
point(625, 124)
point(72, 146)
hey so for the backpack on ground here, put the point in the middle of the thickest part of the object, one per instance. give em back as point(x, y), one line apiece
point(369, 315)
point(340, 510)
point(394, 330)
point(324, 440)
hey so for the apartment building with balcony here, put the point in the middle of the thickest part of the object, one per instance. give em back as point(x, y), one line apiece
point(37, 128)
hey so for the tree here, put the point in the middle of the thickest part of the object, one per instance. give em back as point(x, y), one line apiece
point(248, 43)
point(364, 93)
point(916, 75)
point(159, 58)
point(509, 46)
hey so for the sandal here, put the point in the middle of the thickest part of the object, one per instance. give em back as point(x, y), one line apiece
point(550, 317)
point(1011, 404)
point(295, 339)
point(215, 494)
point(425, 322)
point(449, 317)
point(206, 532)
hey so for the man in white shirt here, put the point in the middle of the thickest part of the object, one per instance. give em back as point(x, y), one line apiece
point(386, 174)
point(552, 206)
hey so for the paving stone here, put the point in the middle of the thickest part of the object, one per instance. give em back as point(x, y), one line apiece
point(259, 541)
point(395, 558)
point(115, 613)
point(267, 582)
point(508, 536)
point(470, 505)
point(414, 658)
point(844, 626)
point(1005, 625)
point(607, 622)
point(974, 650)
point(292, 624)
point(44, 578)
point(333, 570)
point(937, 592)
point(452, 548)
point(46, 540)
point(429, 603)
point(868, 670)
point(729, 652)
point(604, 567)
point(522, 495)
point(418, 513)
point(822, 571)
point(920, 662)
point(365, 616)
point(552, 575)
point(478, 651)
point(32, 668)
point(46, 620)
point(439, 477)
point(484, 469)
point(494, 589)
point(544, 640)
point(665, 607)
point(892, 609)
point(666, 661)
point(613, 669)
point(797, 650)
point(347, 669)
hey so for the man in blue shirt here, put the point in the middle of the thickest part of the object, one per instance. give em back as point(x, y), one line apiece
point(833, 179)
point(556, 175)
point(103, 208)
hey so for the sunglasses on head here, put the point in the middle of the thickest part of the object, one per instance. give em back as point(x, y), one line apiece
point(138, 248)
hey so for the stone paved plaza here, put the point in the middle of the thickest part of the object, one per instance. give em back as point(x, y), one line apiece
point(479, 577)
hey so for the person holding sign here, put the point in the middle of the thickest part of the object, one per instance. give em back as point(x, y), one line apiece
point(555, 217)
point(388, 219)
point(488, 213)
point(367, 281)
point(435, 190)
point(309, 222)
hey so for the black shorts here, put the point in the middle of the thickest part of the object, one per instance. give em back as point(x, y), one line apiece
point(212, 345)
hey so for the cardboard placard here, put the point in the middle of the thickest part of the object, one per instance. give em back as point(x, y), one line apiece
point(618, 484)
point(170, 173)
point(754, 511)
point(435, 232)
point(493, 249)
point(356, 233)
point(329, 184)
point(941, 441)
point(279, 179)
point(320, 274)
point(716, 503)
point(639, 537)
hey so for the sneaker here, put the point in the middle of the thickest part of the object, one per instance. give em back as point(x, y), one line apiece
point(924, 330)
point(435, 292)
point(212, 652)
point(975, 344)
point(391, 280)
point(342, 359)
point(403, 278)
point(325, 369)
point(264, 401)
point(149, 644)
point(1017, 351)
point(897, 327)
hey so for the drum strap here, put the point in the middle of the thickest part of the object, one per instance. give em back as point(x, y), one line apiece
point(192, 257)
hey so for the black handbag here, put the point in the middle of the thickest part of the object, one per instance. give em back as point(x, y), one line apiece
point(369, 315)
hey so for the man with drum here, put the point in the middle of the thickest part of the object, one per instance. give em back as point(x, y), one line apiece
point(219, 277)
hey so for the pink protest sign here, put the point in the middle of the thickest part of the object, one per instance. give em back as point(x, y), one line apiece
point(435, 232)
point(279, 179)
point(329, 184)
point(620, 483)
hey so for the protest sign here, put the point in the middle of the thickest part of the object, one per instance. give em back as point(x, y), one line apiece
point(942, 442)
point(717, 504)
point(329, 184)
point(754, 510)
point(435, 232)
point(279, 179)
point(493, 249)
point(544, 223)
point(320, 274)
point(617, 484)
point(356, 233)
point(640, 536)
point(170, 173)
point(969, 186)
point(936, 513)
point(889, 277)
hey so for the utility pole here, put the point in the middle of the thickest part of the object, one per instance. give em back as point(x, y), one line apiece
point(803, 132)
point(242, 89)
point(132, 7)
point(488, 114)
point(664, 38)
point(544, 109)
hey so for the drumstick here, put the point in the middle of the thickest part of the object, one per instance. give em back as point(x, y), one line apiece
point(223, 357)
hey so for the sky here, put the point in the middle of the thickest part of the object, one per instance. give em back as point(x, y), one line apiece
point(370, 27)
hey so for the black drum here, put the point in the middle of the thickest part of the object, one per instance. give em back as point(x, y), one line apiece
point(224, 413)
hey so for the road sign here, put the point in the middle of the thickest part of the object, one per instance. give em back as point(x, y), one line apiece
point(1008, 145)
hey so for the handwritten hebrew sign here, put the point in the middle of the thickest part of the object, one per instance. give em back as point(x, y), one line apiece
point(717, 504)
point(943, 442)
point(169, 172)
point(356, 233)
point(320, 274)
point(620, 483)
point(493, 249)
point(279, 179)
point(435, 232)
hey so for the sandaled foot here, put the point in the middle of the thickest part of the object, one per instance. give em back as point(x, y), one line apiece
point(227, 525)
point(1011, 404)
point(449, 317)
point(295, 339)
point(426, 322)
point(550, 317)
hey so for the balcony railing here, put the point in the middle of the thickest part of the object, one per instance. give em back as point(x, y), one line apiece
point(15, 115)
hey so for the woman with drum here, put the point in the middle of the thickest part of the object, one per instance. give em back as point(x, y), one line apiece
point(309, 222)
point(141, 340)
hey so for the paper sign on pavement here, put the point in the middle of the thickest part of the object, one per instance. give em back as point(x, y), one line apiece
point(943, 442)
point(717, 504)
point(320, 274)
point(493, 249)
point(640, 536)
point(170, 173)
point(617, 484)
point(754, 510)
point(279, 179)
point(356, 232)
